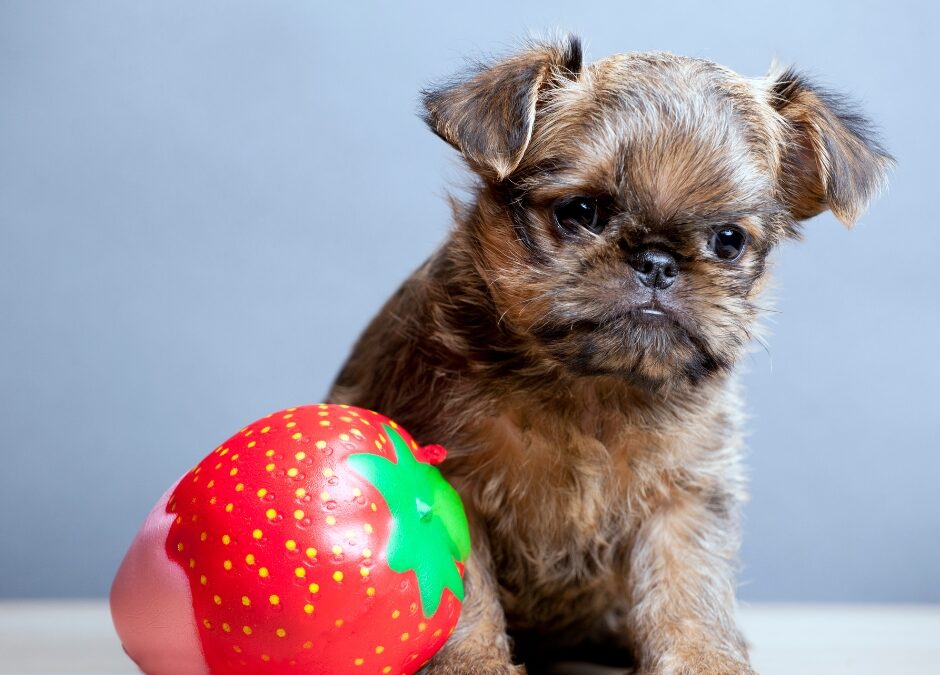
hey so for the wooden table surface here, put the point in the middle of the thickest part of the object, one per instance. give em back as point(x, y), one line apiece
point(77, 637)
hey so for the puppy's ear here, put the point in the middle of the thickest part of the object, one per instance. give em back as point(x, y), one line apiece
point(832, 158)
point(489, 114)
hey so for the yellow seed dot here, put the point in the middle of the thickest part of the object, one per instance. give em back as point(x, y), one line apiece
point(367, 528)
point(227, 564)
point(298, 514)
point(330, 520)
point(324, 423)
point(257, 534)
point(252, 444)
point(356, 492)
point(292, 472)
point(344, 437)
point(229, 507)
point(311, 552)
point(359, 662)
point(192, 563)
point(370, 591)
point(213, 500)
point(396, 614)
point(211, 483)
point(226, 628)
point(373, 506)
point(297, 435)
point(300, 456)
point(364, 571)
point(308, 645)
point(262, 492)
point(269, 467)
point(274, 600)
point(179, 547)
point(246, 630)
point(265, 430)
point(290, 545)
point(265, 658)
point(207, 624)
point(280, 632)
point(387, 669)
point(313, 588)
point(269, 453)
point(337, 550)
point(300, 572)
point(338, 623)
point(246, 601)
point(287, 416)
point(202, 579)
point(226, 539)
point(224, 452)
point(237, 649)
point(325, 496)
point(271, 514)
point(308, 608)
point(239, 487)
point(217, 599)
point(320, 445)
point(337, 576)
point(203, 536)
point(234, 457)
point(300, 493)
point(379, 649)
point(366, 553)
point(404, 637)
point(263, 572)
point(233, 472)
point(250, 559)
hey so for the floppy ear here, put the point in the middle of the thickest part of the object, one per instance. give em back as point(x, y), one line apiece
point(489, 114)
point(832, 158)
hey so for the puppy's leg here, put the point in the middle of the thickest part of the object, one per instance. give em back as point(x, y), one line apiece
point(479, 645)
point(682, 586)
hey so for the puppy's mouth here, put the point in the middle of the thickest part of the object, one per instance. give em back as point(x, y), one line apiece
point(650, 342)
point(652, 312)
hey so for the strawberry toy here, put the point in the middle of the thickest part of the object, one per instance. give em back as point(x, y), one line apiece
point(318, 540)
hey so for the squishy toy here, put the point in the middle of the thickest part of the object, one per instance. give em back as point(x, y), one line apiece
point(318, 540)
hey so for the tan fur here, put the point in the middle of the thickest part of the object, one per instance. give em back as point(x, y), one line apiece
point(598, 457)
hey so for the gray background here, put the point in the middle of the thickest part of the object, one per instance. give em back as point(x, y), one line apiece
point(201, 205)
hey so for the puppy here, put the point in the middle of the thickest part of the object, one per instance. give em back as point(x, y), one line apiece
point(572, 342)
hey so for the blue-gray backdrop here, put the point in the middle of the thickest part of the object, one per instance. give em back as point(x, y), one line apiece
point(202, 204)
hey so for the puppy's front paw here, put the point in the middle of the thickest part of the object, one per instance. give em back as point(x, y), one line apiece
point(699, 663)
point(462, 663)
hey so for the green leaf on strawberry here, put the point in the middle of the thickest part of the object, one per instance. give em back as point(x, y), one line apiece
point(429, 533)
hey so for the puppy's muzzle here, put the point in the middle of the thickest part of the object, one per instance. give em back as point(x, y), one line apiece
point(654, 268)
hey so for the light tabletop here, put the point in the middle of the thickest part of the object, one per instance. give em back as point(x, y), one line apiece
point(77, 637)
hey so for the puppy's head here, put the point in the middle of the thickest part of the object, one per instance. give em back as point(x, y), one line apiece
point(627, 208)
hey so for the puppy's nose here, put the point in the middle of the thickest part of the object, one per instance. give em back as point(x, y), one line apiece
point(655, 269)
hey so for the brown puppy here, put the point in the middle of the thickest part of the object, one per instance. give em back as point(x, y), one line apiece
point(572, 342)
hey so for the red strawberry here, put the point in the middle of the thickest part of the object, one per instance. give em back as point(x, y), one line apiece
point(319, 540)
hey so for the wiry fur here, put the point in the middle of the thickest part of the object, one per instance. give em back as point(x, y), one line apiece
point(598, 456)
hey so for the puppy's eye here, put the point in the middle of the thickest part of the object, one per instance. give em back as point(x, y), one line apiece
point(572, 213)
point(728, 242)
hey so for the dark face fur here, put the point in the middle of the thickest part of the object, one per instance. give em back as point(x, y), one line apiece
point(627, 209)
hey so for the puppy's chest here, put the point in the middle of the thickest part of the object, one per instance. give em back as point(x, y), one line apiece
point(560, 498)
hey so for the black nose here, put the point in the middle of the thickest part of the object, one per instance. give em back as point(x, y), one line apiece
point(655, 269)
